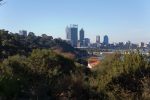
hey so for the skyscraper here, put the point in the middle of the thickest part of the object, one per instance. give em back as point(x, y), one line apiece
point(106, 40)
point(81, 36)
point(142, 44)
point(68, 33)
point(86, 42)
point(72, 34)
point(97, 39)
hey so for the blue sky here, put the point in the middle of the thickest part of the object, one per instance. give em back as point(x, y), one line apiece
point(121, 20)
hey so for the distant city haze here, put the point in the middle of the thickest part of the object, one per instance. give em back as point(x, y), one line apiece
point(121, 20)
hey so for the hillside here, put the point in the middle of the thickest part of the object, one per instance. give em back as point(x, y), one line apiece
point(40, 67)
point(13, 43)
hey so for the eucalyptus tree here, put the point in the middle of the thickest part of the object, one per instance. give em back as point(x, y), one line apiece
point(2, 2)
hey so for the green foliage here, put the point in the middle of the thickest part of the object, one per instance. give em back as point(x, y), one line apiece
point(30, 69)
point(121, 76)
point(12, 44)
point(13, 77)
point(43, 74)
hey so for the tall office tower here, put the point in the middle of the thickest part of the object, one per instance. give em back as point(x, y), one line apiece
point(106, 40)
point(142, 44)
point(98, 39)
point(68, 33)
point(72, 34)
point(23, 32)
point(86, 42)
point(81, 37)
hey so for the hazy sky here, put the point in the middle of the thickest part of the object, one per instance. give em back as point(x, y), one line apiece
point(121, 20)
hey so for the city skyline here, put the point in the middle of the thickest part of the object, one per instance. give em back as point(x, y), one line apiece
point(68, 36)
point(121, 20)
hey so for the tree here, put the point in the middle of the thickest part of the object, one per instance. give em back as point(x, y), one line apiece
point(0, 45)
point(1, 2)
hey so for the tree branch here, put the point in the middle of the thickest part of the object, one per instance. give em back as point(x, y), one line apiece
point(1, 2)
